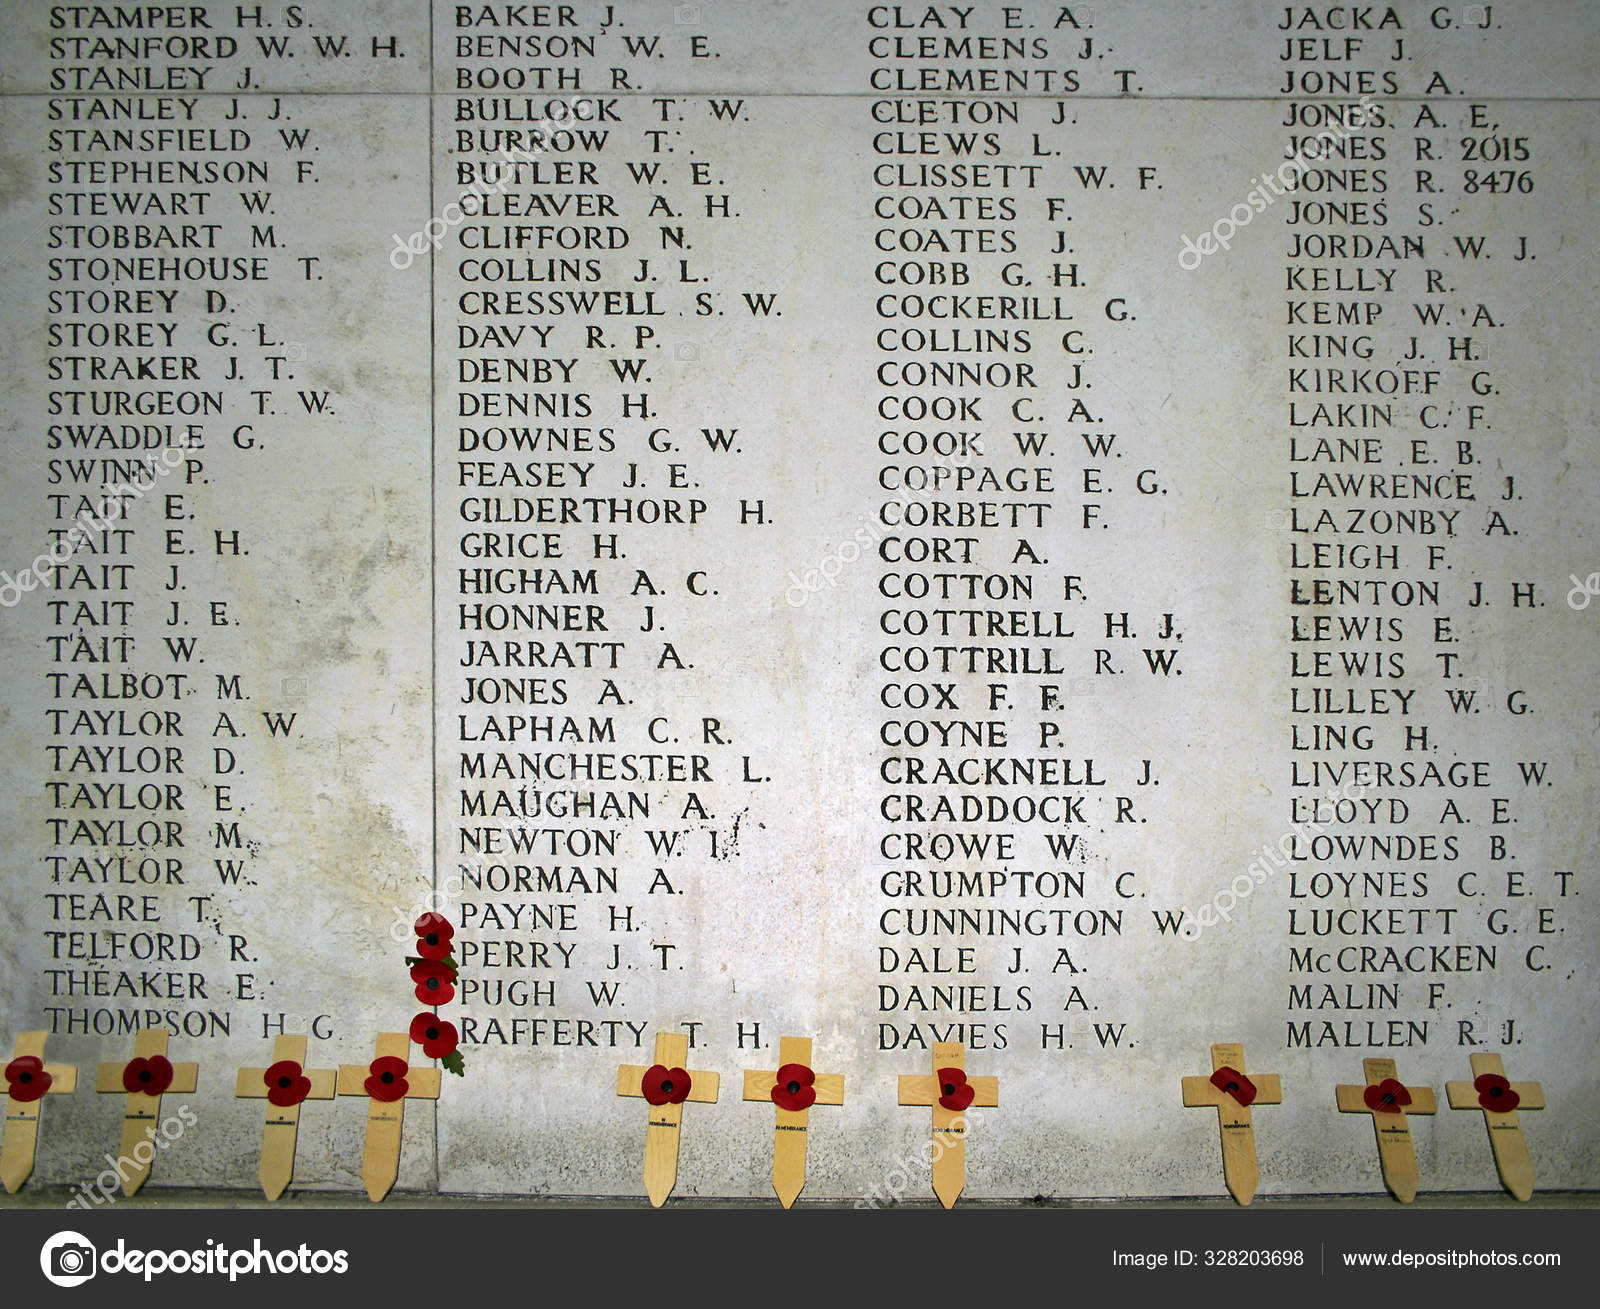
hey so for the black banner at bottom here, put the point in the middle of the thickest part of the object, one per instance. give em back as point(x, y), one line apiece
point(158, 1250)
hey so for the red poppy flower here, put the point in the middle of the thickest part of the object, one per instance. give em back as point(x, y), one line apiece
point(954, 1093)
point(794, 1088)
point(664, 1085)
point(436, 1037)
point(287, 1084)
point(434, 934)
point(1495, 1093)
point(436, 982)
point(388, 1080)
point(1236, 1084)
point(27, 1079)
point(1387, 1097)
point(150, 1076)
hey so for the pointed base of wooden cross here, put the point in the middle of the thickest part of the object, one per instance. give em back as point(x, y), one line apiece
point(1513, 1162)
point(789, 1157)
point(19, 1148)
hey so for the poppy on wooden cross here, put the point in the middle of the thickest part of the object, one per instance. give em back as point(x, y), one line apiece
point(144, 1079)
point(28, 1080)
point(387, 1082)
point(1232, 1093)
point(951, 1093)
point(1390, 1102)
point(665, 1086)
point(283, 1085)
point(793, 1087)
point(1500, 1100)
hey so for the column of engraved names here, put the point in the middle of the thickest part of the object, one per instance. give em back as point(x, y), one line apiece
point(1404, 884)
point(587, 770)
point(144, 241)
point(998, 467)
point(200, 346)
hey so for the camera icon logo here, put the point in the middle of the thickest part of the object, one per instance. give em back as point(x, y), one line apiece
point(68, 1259)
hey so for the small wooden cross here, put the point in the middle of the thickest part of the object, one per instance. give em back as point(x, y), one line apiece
point(28, 1080)
point(793, 1081)
point(665, 1085)
point(387, 1082)
point(1390, 1102)
point(1232, 1094)
point(1500, 1100)
point(950, 1092)
point(283, 1087)
point(144, 1079)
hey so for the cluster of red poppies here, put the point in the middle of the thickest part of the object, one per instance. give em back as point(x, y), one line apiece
point(434, 972)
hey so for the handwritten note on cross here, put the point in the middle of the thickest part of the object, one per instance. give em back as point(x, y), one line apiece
point(1232, 1093)
point(1501, 1099)
point(665, 1086)
point(28, 1080)
point(1390, 1102)
point(387, 1082)
point(283, 1085)
point(144, 1079)
point(793, 1087)
point(951, 1093)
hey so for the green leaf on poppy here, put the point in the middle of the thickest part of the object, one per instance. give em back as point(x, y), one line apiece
point(455, 1063)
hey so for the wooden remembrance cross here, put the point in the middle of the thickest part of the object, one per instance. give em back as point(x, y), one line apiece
point(29, 1079)
point(795, 1081)
point(149, 1068)
point(387, 1082)
point(951, 1093)
point(1389, 1102)
point(1231, 1093)
point(665, 1086)
point(1500, 1099)
point(284, 1088)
